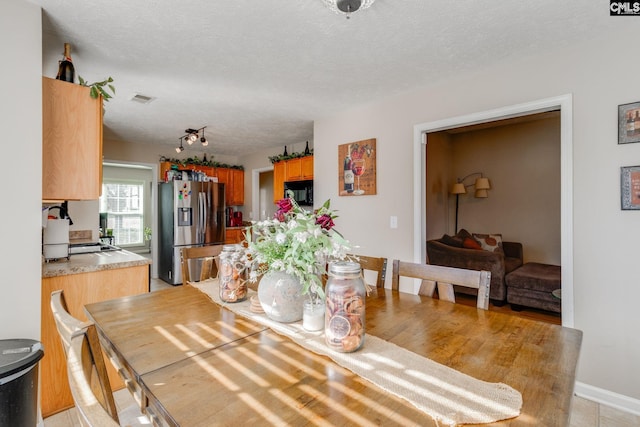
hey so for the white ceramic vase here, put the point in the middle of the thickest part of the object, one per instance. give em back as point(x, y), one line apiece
point(280, 295)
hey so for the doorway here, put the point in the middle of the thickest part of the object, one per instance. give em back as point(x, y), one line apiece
point(262, 206)
point(564, 105)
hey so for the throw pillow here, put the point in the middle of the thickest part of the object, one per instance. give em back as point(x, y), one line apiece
point(471, 243)
point(451, 241)
point(463, 234)
point(490, 242)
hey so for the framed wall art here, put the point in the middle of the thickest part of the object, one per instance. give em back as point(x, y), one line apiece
point(629, 123)
point(630, 187)
point(357, 168)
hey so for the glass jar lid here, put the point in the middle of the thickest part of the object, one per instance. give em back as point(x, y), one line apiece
point(344, 268)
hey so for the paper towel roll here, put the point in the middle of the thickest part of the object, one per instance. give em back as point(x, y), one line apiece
point(56, 232)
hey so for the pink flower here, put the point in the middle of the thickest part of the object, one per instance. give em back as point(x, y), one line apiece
point(285, 205)
point(325, 222)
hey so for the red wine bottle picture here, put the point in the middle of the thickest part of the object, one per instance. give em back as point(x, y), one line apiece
point(66, 72)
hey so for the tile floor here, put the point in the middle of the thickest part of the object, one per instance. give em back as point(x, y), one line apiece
point(585, 413)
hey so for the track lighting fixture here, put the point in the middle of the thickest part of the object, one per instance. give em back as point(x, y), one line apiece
point(191, 136)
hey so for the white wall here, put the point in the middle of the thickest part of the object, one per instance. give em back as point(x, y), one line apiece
point(599, 73)
point(21, 123)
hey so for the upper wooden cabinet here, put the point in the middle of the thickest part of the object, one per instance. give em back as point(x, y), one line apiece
point(279, 170)
point(236, 193)
point(299, 169)
point(233, 180)
point(71, 142)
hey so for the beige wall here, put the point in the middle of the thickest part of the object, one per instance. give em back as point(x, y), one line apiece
point(131, 151)
point(522, 162)
point(604, 254)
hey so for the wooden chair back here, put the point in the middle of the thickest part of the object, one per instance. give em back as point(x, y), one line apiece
point(66, 324)
point(444, 278)
point(376, 264)
point(68, 327)
point(202, 257)
point(81, 370)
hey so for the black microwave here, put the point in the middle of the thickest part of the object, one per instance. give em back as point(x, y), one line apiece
point(302, 191)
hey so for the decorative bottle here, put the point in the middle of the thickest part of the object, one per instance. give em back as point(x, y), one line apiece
point(233, 274)
point(344, 326)
point(306, 149)
point(66, 71)
point(348, 174)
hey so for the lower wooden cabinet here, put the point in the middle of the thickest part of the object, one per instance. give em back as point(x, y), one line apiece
point(234, 235)
point(79, 289)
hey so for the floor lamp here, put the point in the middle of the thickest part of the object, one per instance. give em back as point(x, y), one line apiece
point(481, 185)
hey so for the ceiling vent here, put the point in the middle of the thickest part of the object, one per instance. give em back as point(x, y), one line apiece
point(142, 99)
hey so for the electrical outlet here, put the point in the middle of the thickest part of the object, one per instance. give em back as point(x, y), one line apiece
point(393, 221)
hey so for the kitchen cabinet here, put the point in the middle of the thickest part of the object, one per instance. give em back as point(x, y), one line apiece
point(232, 178)
point(79, 289)
point(236, 192)
point(71, 142)
point(300, 169)
point(234, 235)
point(279, 169)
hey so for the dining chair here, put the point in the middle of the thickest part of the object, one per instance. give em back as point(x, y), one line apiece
point(444, 278)
point(375, 264)
point(68, 326)
point(82, 366)
point(203, 257)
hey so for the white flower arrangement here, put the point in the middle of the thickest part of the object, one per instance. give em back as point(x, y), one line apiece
point(297, 242)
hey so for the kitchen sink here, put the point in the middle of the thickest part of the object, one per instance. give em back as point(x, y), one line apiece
point(89, 248)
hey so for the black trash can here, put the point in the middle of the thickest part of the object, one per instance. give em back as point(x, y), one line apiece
point(19, 382)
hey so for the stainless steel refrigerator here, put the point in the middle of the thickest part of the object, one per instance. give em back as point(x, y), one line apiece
point(192, 213)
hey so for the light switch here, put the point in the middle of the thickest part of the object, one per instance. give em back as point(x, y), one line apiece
point(393, 221)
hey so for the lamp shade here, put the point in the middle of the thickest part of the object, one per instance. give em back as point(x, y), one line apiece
point(481, 194)
point(458, 188)
point(482, 184)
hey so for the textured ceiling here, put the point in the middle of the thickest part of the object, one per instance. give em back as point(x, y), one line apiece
point(258, 72)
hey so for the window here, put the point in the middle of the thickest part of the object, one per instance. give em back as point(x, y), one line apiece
point(123, 203)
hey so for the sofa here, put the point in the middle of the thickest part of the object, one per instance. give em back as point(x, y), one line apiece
point(478, 252)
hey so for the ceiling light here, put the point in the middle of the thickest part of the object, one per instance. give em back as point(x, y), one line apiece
point(347, 6)
point(180, 148)
point(203, 140)
point(191, 136)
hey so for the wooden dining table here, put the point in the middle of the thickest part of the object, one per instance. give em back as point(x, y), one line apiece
point(199, 364)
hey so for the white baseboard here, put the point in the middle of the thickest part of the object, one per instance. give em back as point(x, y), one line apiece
point(609, 398)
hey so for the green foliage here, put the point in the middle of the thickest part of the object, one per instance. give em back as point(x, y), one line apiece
point(98, 88)
point(297, 242)
point(280, 157)
point(195, 160)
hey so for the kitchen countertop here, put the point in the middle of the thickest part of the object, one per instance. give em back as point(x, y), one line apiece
point(87, 263)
